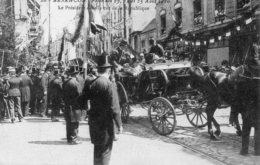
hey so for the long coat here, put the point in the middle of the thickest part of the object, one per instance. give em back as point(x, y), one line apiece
point(104, 108)
point(56, 88)
point(71, 93)
point(14, 84)
point(25, 88)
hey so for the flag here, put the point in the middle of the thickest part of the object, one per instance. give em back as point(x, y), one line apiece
point(80, 24)
point(61, 48)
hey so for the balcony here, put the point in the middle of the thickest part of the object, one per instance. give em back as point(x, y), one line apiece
point(198, 19)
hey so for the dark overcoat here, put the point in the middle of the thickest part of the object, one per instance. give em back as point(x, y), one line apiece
point(26, 84)
point(71, 93)
point(56, 88)
point(14, 84)
point(104, 107)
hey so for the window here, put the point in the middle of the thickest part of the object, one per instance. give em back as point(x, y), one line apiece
point(143, 43)
point(163, 21)
point(178, 13)
point(219, 10)
point(197, 12)
point(243, 4)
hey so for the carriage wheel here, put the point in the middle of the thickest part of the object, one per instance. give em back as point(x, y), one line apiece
point(196, 113)
point(162, 116)
point(123, 101)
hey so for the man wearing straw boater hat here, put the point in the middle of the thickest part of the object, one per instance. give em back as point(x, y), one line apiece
point(72, 113)
point(104, 108)
point(14, 94)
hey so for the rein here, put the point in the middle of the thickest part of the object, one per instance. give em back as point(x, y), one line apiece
point(247, 77)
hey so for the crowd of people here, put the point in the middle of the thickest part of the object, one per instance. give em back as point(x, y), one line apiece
point(26, 92)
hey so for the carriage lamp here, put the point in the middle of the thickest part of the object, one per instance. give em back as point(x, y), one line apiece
point(228, 34)
point(238, 28)
point(219, 38)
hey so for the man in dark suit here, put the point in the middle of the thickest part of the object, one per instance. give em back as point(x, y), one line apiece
point(72, 113)
point(56, 95)
point(25, 92)
point(104, 108)
point(118, 56)
point(156, 48)
point(14, 95)
point(34, 90)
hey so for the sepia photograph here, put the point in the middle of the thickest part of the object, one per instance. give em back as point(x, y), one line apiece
point(130, 82)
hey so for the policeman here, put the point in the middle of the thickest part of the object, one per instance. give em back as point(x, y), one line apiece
point(72, 112)
point(104, 108)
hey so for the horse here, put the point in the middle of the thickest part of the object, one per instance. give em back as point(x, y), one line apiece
point(240, 91)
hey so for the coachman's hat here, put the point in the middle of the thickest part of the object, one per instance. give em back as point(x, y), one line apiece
point(103, 61)
point(123, 42)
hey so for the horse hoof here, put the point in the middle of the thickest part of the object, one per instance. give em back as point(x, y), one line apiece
point(239, 133)
point(212, 137)
point(217, 132)
point(242, 152)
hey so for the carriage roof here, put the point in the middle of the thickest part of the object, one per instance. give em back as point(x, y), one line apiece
point(168, 65)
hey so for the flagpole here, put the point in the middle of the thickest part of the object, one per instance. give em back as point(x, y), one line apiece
point(85, 34)
point(49, 45)
point(3, 56)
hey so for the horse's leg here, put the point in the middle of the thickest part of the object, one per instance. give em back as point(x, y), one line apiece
point(210, 110)
point(236, 124)
point(257, 131)
point(234, 119)
point(217, 126)
point(246, 129)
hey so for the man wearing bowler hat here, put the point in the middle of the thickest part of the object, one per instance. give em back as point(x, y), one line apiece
point(104, 108)
point(72, 113)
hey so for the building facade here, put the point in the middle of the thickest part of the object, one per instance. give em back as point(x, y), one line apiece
point(147, 33)
point(19, 21)
point(213, 27)
point(126, 20)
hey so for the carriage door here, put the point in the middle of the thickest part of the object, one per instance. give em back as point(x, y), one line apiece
point(217, 55)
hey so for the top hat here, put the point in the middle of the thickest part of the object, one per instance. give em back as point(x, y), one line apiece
point(103, 62)
point(123, 42)
point(72, 70)
point(56, 72)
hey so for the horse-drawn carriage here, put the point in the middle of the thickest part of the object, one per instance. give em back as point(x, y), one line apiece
point(165, 88)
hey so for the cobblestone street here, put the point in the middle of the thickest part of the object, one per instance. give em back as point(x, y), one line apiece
point(39, 141)
point(226, 149)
